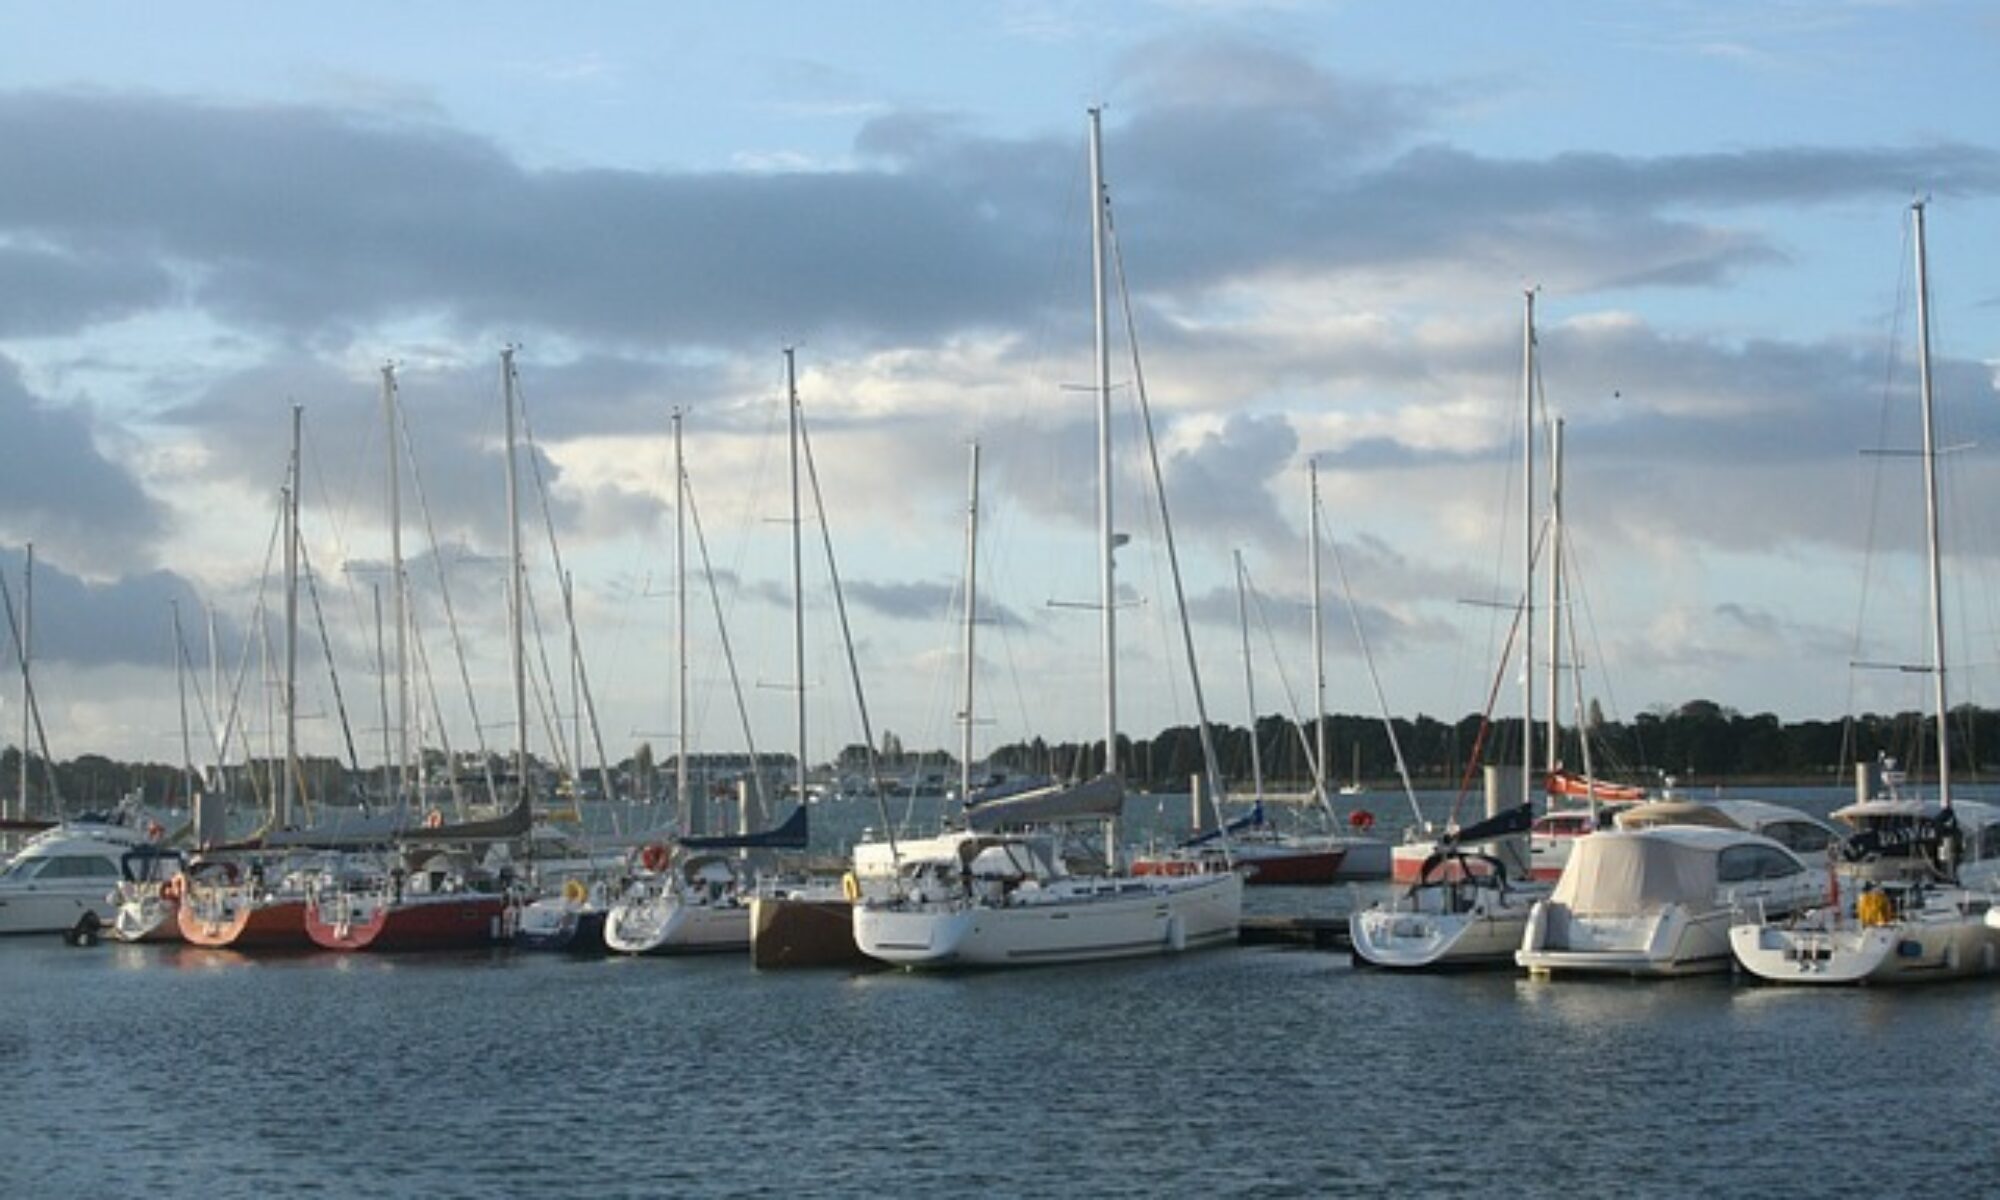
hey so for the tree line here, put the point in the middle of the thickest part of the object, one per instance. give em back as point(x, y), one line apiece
point(1699, 742)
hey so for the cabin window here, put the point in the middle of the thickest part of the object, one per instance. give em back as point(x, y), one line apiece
point(1777, 864)
point(1803, 837)
point(79, 867)
point(1739, 863)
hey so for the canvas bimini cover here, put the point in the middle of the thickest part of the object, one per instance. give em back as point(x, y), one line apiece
point(1625, 873)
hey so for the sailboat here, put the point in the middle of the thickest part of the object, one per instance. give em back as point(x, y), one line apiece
point(1460, 908)
point(1927, 925)
point(436, 896)
point(688, 896)
point(1007, 898)
point(232, 902)
point(1266, 856)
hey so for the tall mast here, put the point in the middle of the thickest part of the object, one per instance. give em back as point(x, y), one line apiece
point(690, 818)
point(1931, 511)
point(399, 593)
point(1318, 640)
point(1107, 589)
point(1249, 679)
point(180, 689)
point(221, 729)
point(1528, 550)
point(1107, 579)
point(798, 577)
point(27, 657)
point(971, 618)
point(286, 790)
point(1555, 599)
point(382, 691)
point(515, 607)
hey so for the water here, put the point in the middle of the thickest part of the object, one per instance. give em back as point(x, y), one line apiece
point(1246, 1071)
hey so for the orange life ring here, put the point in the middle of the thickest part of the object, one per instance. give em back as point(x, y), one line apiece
point(653, 857)
point(433, 819)
point(172, 888)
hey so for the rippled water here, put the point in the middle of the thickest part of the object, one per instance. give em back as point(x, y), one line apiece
point(1247, 1071)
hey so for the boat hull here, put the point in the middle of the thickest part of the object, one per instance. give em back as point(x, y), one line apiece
point(561, 927)
point(1668, 942)
point(1917, 950)
point(246, 923)
point(1430, 941)
point(667, 925)
point(1114, 919)
point(147, 917)
point(790, 931)
point(1260, 868)
point(449, 922)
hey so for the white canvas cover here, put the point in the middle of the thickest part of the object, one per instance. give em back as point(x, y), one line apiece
point(1621, 873)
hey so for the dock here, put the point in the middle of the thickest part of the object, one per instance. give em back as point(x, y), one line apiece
point(1318, 933)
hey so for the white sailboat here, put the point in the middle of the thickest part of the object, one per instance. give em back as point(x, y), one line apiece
point(690, 899)
point(1921, 928)
point(1008, 900)
point(1460, 909)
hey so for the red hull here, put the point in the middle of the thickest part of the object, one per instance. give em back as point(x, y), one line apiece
point(271, 925)
point(422, 923)
point(1305, 868)
point(1300, 868)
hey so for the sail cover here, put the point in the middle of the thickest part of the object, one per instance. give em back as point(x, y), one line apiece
point(1091, 800)
point(792, 835)
point(1629, 874)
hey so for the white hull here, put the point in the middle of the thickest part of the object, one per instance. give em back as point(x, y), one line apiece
point(1066, 921)
point(1670, 941)
point(53, 907)
point(669, 925)
point(1415, 941)
point(1933, 944)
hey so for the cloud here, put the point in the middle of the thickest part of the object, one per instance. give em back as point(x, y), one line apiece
point(59, 490)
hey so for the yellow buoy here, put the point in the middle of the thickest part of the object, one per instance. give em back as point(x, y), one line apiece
point(850, 887)
point(575, 892)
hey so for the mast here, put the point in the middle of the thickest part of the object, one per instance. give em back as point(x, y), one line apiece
point(1933, 552)
point(798, 579)
point(287, 790)
point(399, 593)
point(27, 656)
point(1318, 642)
point(180, 688)
point(515, 607)
point(1528, 550)
point(971, 618)
point(691, 820)
point(382, 692)
point(1249, 680)
point(1555, 599)
point(220, 730)
point(1107, 579)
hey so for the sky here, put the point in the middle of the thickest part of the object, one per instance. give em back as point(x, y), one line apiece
point(1327, 217)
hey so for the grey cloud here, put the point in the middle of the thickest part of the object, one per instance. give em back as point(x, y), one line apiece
point(58, 489)
point(127, 621)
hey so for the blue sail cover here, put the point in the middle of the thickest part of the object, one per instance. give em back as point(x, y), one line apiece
point(792, 835)
point(1249, 820)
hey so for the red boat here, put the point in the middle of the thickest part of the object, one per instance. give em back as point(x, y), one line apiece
point(383, 916)
point(243, 921)
point(1265, 862)
point(224, 907)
